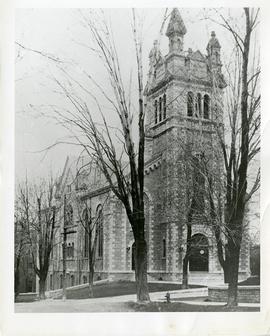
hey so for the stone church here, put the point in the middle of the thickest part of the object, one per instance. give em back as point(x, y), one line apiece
point(181, 112)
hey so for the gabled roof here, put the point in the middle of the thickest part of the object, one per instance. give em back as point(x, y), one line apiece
point(198, 55)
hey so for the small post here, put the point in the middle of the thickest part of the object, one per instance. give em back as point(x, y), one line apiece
point(168, 297)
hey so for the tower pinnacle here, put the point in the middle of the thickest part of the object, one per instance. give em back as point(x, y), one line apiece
point(213, 48)
point(175, 31)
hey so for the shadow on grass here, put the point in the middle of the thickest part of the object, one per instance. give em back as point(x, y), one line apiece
point(183, 307)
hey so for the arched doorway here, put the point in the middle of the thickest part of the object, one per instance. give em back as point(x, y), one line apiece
point(199, 255)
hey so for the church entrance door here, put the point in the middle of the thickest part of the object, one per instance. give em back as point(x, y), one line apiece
point(199, 257)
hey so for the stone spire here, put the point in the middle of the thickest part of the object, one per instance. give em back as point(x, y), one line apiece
point(175, 31)
point(213, 48)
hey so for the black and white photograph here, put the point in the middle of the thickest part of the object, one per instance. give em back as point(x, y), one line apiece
point(137, 162)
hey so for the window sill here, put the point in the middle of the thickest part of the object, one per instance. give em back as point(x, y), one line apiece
point(160, 122)
point(198, 119)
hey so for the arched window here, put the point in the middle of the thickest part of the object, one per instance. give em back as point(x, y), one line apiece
point(199, 102)
point(206, 106)
point(164, 106)
point(163, 248)
point(72, 282)
point(133, 257)
point(69, 215)
point(84, 279)
point(160, 108)
point(72, 250)
point(156, 112)
point(199, 254)
point(190, 104)
point(198, 183)
point(99, 224)
point(86, 226)
point(68, 250)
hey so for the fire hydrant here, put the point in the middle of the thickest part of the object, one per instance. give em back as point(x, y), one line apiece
point(168, 297)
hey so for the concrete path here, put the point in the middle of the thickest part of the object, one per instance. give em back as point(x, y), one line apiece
point(209, 303)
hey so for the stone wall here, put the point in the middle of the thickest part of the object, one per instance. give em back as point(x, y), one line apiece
point(250, 294)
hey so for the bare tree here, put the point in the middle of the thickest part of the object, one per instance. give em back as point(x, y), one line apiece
point(20, 247)
point(124, 167)
point(37, 212)
point(239, 147)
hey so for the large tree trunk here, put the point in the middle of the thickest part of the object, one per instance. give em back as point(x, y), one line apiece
point(17, 276)
point(186, 258)
point(91, 281)
point(185, 272)
point(233, 267)
point(141, 270)
point(42, 288)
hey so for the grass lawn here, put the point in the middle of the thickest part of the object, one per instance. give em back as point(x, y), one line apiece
point(119, 288)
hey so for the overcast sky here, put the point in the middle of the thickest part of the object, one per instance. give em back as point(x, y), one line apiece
point(60, 32)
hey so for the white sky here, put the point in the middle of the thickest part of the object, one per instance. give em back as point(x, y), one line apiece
point(58, 31)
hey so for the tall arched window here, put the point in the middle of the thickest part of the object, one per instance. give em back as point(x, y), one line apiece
point(190, 104)
point(164, 106)
point(156, 111)
point(160, 108)
point(69, 215)
point(99, 224)
point(68, 249)
point(72, 282)
point(199, 102)
point(206, 106)
point(72, 250)
point(199, 183)
point(163, 248)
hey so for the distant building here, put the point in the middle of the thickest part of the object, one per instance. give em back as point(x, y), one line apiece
point(181, 112)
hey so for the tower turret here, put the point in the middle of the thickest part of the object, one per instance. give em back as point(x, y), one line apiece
point(176, 31)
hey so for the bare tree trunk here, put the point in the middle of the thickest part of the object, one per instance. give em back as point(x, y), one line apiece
point(42, 287)
point(17, 276)
point(232, 268)
point(141, 270)
point(185, 272)
point(91, 259)
point(186, 258)
point(91, 282)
